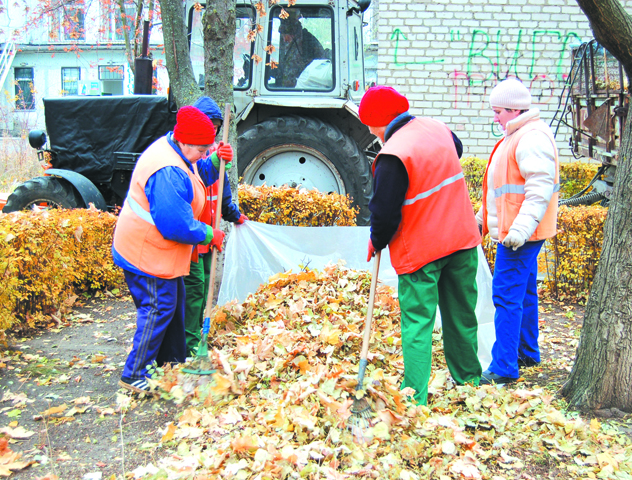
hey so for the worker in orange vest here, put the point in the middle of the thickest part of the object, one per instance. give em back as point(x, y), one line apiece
point(421, 209)
point(196, 283)
point(519, 212)
point(155, 233)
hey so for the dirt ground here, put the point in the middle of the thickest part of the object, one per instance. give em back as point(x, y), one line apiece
point(60, 386)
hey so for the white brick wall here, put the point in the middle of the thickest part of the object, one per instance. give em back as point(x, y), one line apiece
point(447, 55)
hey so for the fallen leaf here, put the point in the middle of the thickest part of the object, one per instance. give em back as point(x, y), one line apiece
point(54, 410)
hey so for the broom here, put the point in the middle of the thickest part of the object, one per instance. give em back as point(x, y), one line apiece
point(361, 410)
point(201, 364)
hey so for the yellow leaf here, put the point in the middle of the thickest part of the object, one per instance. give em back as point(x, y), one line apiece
point(244, 444)
point(54, 410)
point(222, 384)
point(171, 429)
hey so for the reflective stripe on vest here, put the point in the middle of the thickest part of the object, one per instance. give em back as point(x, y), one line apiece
point(443, 221)
point(138, 210)
point(427, 193)
point(516, 189)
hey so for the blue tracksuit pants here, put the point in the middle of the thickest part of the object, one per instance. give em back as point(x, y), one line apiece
point(160, 335)
point(515, 296)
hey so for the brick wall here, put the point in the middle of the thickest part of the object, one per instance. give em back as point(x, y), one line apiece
point(447, 55)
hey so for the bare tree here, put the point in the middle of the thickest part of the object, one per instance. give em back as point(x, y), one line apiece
point(602, 374)
point(182, 84)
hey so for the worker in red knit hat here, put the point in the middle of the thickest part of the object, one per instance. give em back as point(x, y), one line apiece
point(421, 209)
point(154, 236)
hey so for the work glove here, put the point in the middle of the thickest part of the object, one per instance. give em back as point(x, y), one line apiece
point(218, 239)
point(208, 238)
point(514, 239)
point(242, 219)
point(371, 252)
point(225, 151)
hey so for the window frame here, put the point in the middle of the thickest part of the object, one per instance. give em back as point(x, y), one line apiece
point(274, 15)
point(110, 71)
point(64, 91)
point(69, 12)
point(19, 87)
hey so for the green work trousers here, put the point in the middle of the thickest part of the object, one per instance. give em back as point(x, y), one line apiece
point(196, 286)
point(450, 283)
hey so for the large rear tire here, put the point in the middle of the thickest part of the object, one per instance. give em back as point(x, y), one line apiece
point(305, 151)
point(44, 192)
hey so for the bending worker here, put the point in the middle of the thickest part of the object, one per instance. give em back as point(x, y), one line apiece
point(519, 212)
point(153, 239)
point(196, 283)
point(421, 209)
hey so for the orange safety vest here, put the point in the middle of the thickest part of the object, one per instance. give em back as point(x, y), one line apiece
point(509, 190)
point(437, 215)
point(136, 238)
point(207, 216)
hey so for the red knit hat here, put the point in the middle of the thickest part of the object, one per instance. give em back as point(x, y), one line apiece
point(193, 127)
point(380, 105)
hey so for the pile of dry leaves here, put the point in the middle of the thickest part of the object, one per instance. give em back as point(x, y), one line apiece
point(278, 405)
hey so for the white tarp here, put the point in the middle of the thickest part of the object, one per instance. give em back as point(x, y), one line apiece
point(256, 251)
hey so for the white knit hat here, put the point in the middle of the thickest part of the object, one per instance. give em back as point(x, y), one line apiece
point(510, 94)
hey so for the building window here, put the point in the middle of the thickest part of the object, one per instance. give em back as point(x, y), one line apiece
point(119, 33)
point(70, 77)
point(24, 89)
point(110, 72)
point(54, 26)
point(74, 22)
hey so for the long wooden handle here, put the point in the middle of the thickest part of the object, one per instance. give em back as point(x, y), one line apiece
point(218, 214)
point(369, 313)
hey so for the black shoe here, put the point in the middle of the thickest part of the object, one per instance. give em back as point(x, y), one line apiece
point(527, 362)
point(489, 378)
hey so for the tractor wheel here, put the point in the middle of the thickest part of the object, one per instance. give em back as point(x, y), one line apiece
point(307, 152)
point(44, 192)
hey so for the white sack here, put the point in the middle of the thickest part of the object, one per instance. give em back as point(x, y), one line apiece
point(256, 251)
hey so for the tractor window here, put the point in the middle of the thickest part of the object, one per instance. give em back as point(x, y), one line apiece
point(242, 53)
point(303, 50)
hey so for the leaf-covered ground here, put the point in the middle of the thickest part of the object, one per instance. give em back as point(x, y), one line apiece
point(278, 406)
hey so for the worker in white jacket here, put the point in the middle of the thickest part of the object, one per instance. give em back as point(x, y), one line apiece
point(519, 211)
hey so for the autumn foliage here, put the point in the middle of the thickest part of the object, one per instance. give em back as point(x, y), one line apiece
point(574, 253)
point(49, 257)
point(295, 207)
point(278, 405)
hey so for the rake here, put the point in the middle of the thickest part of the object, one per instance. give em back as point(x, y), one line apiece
point(361, 411)
point(201, 364)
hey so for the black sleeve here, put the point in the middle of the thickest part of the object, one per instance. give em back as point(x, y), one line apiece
point(390, 183)
point(457, 144)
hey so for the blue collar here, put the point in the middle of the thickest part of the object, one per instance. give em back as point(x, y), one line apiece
point(396, 124)
point(178, 151)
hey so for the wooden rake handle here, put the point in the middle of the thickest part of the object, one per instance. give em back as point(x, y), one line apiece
point(369, 313)
point(218, 213)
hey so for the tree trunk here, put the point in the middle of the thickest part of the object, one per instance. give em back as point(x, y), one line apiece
point(602, 373)
point(182, 82)
point(219, 43)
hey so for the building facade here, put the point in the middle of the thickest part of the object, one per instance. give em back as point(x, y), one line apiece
point(61, 49)
point(447, 55)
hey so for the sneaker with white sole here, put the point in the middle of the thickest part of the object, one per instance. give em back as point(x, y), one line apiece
point(137, 386)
